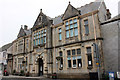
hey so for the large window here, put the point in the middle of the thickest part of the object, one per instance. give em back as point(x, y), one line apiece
point(86, 26)
point(39, 37)
point(74, 58)
point(60, 35)
point(71, 28)
point(89, 56)
point(61, 59)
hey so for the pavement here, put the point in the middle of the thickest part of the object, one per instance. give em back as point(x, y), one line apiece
point(12, 77)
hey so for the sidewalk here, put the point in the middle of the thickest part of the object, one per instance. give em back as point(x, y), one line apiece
point(13, 76)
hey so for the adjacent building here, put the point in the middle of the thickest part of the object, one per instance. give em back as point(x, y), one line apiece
point(3, 57)
point(22, 50)
point(110, 30)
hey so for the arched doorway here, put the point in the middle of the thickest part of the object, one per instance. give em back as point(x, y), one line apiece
point(40, 67)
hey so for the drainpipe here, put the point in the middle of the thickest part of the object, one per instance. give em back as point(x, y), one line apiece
point(96, 44)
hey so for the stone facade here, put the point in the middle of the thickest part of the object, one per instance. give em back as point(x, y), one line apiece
point(62, 45)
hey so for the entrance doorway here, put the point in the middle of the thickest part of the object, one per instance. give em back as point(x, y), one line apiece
point(40, 67)
point(93, 76)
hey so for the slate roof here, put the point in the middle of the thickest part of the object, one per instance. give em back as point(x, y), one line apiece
point(89, 7)
point(28, 32)
point(5, 47)
point(116, 18)
point(93, 6)
point(57, 20)
point(24, 32)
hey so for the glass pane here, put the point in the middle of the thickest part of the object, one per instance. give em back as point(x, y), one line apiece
point(60, 37)
point(68, 52)
point(71, 26)
point(85, 22)
point(75, 20)
point(59, 30)
point(37, 33)
point(39, 40)
point(74, 63)
point(45, 30)
point(67, 34)
point(86, 29)
point(73, 52)
point(71, 21)
point(34, 42)
point(44, 39)
point(89, 60)
point(88, 49)
point(79, 62)
point(76, 31)
point(67, 27)
point(75, 25)
point(69, 63)
point(42, 31)
point(41, 35)
point(60, 53)
point(71, 33)
point(66, 23)
point(78, 51)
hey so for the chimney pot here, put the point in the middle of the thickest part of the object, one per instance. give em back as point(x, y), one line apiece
point(25, 27)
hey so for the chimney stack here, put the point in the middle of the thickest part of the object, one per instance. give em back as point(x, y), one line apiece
point(25, 27)
point(108, 14)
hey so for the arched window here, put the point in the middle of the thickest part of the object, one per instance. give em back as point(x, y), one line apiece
point(61, 59)
point(60, 53)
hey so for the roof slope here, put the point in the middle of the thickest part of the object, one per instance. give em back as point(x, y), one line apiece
point(93, 6)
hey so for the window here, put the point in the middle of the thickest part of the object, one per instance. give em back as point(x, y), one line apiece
point(78, 51)
point(86, 26)
point(39, 40)
point(66, 23)
point(74, 62)
point(67, 31)
point(69, 62)
point(60, 35)
point(71, 28)
point(34, 42)
point(39, 37)
point(60, 53)
point(73, 52)
point(79, 61)
point(89, 56)
point(68, 52)
point(76, 58)
point(61, 59)
point(45, 39)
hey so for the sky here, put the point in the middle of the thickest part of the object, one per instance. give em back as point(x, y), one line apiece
point(14, 13)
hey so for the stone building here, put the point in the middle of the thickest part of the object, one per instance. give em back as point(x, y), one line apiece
point(22, 50)
point(3, 57)
point(110, 30)
point(73, 38)
point(65, 45)
point(42, 39)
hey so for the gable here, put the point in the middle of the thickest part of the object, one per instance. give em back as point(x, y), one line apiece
point(42, 19)
point(21, 33)
point(70, 12)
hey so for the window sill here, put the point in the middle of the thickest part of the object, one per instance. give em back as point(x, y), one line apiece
point(90, 67)
point(60, 40)
point(86, 34)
